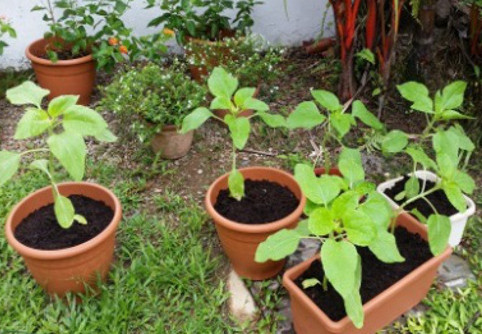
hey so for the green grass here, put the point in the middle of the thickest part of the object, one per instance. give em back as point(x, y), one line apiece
point(163, 281)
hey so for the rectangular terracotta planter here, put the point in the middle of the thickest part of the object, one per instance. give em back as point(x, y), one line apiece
point(308, 318)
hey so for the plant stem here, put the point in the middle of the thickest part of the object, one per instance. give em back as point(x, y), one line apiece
point(325, 283)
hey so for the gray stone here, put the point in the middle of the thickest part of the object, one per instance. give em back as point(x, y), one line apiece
point(455, 272)
point(241, 304)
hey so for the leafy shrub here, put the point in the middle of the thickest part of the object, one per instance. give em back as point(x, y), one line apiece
point(5, 29)
point(150, 97)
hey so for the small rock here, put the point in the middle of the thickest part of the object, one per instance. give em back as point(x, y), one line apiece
point(241, 303)
point(199, 171)
point(455, 272)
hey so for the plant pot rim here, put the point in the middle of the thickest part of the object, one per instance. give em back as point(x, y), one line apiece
point(421, 174)
point(336, 326)
point(36, 59)
point(65, 252)
point(254, 228)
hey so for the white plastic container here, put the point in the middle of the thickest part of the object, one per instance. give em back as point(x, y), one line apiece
point(459, 220)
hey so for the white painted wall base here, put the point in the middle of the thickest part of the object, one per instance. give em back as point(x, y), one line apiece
point(303, 22)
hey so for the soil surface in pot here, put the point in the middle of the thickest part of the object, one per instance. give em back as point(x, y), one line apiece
point(438, 199)
point(376, 275)
point(40, 229)
point(264, 202)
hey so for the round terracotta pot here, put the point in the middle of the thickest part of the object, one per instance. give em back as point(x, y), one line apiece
point(219, 51)
point(333, 171)
point(240, 241)
point(172, 144)
point(246, 113)
point(73, 77)
point(67, 270)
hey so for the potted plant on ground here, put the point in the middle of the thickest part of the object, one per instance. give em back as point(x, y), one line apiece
point(435, 194)
point(64, 232)
point(247, 204)
point(84, 37)
point(201, 27)
point(152, 101)
point(5, 29)
point(367, 274)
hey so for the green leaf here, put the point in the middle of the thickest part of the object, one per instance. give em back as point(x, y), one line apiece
point(306, 116)
point(327, 100)
point(448, 115)
point(318, 190)
point(412, 187)
point(27, 93)
point(64, 211)
point(80, 219)
point(83, 120)
point(60, 104)
point(342, 123)
point(255, 104)
point(384, 246)
point(239, 129)
point(455, 196)
point(439, 228)
point(302, 229)
point(420, 157)
point(360, 111)
point(278, 246)
point(447, 165)
point(364, 188)
point(346, 202)
point(418, 94)
point(340, 261)
point(222, 83)
point(464, 181)
point(419, 215)
point(273, 121)
point(360, 228)
point(42, 165)
point(320, 222)
point(221, 103)
point(69, 148)
point(106, 136)
point(446, 142)
point(395, 141)
point(243, 95)
point(310, 282)
point(350, 165)
point(353, 302)
point(33, 123)
point(236, 184)
point(400, 196)
point(195, 119)
point(464, 142)
point(367, 55)
point(453, 95)
point(9, 164)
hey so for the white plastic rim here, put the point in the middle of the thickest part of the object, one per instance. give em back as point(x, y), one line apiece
point(459, 220)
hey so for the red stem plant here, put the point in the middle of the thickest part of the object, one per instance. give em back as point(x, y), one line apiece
point(371, 24)
point(475, 29)
point(345, 13)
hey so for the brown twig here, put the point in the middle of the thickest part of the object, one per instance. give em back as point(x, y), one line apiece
point(269, 154)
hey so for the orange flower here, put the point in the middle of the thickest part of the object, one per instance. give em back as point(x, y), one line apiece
point(168, 32)
point(123, 49)
point(113, 41)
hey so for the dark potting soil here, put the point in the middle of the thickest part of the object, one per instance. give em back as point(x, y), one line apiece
point(376, 275)
point(438, 199)
point(40, 230)
point(264, 202)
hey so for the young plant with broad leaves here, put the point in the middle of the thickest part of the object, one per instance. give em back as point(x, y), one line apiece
point(343, 213)
point(335, 120)
point(448, 157)
point(63, 125)
point(224, 87)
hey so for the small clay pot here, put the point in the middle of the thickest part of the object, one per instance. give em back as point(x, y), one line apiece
point(333, 171)
point(172, 144)
point(72, 77)
point(220, 50)
point(380, 311)
point(246, 113)
point(67, 270)
point(240, 241)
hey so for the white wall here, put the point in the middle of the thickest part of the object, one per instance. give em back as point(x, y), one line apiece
point(303, 22)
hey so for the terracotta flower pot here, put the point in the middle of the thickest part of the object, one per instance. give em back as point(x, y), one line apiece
point(240, 241)
point(333, 171)
point(246, 113)
point(380, 311)
point(67, 270)
point(218, 51)
point(74, 77)
point(172, 144)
